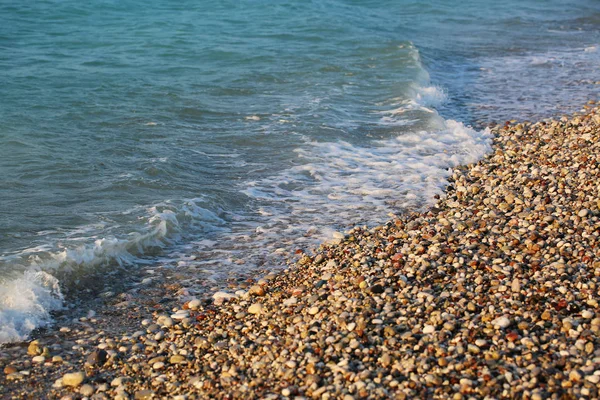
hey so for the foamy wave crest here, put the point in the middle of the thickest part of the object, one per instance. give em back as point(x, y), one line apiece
point(418, 98)
point(340, 182)
point(423, 98)
point(96, 252)
point(26, 304)
point(26, 301)
point(90, 248)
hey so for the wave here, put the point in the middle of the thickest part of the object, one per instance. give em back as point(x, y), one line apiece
point(331, 185)
point(30, 291)
point(26, 304)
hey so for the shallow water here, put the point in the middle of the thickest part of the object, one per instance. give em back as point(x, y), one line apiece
point(225, 136)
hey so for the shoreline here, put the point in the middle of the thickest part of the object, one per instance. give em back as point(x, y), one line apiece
point(492, 292)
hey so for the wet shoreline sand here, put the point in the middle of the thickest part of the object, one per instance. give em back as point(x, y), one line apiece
point(492, 292)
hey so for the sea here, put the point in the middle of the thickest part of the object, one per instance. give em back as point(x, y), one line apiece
point(221, 137)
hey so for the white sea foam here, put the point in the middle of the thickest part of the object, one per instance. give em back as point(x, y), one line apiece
point(26, 303)
point(333, 187)
point(422, 98)
point(346, 182)
point(32, 291)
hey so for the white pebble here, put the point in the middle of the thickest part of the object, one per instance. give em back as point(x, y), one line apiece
point(428, 329)
point(158, 365)
point(593, 378)
point(587, 314)
point(501, 322)
point(194, 304)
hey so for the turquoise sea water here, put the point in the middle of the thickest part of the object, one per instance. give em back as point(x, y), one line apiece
point(220, 136)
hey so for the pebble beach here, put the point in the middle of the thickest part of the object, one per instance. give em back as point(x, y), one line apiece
point(491, 293)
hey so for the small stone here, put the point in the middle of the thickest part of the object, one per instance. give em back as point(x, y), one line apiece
point(14, 376)
point(222, 297)
point(255, 309)
point(38, 359)
point(144, 394)
point(546, 316)
point(194, 304)
point(385, 360)
point(593, 379)
point(290, 302)
point(320, 283)
point(178, 316)
point(515, 286)
point(466, 382)
point(583, 213)
point(86, 390)
point(177, 359)
point(256, 290)
point(377, 289)
point(73, 379)
point(501, 322)
point(118, 381)
point(97, 358)
point(429, 329)
point(46, 353)
point(313, 310)
point(158, 365)
point(34, 348)
point(575, 375)
point(587, 314)
point(10, 369)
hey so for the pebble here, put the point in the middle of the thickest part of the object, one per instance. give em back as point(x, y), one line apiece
point(119, 381)
point(255, 308)
point(97, 358)
point(256, 290)
point(145, 394)
point(222, 297)
point(428, 329)
point(178, 316)
point(10, 369)
point(34, 348)
point(86, 390)
point(177, 359)
point(73, 379)
point(194, 304)
point(515, 286)
point(158, 365)
point(501, 322)
point(587, 314)
point(377, 289)
point(595, 379)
